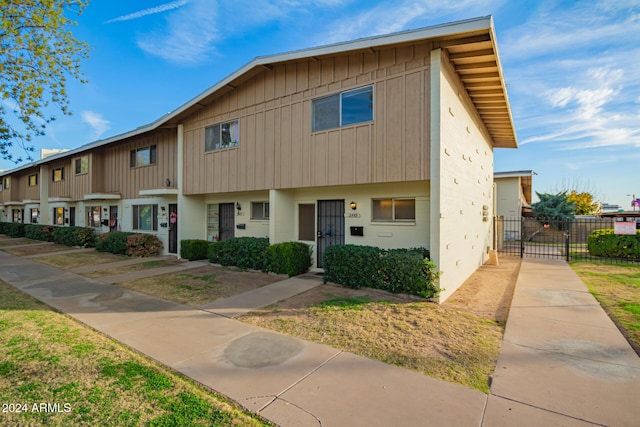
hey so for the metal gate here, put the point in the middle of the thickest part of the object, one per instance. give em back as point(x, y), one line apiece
point(226, 218)
point(330, 225)
point(528, 237)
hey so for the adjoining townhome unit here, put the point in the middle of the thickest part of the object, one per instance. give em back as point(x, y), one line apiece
point(385, 141)
point(513, 193)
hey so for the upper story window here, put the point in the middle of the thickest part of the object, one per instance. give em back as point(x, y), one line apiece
point(33, 180)
point(259, 210)
point(222, 135)
point(82, 165)
point(6, 183)
point(57, 174)
point(342, 109)
point(143, 156)
point(394, 209)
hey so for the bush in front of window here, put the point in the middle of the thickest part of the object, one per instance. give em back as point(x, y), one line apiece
point(406, 271)
point(605, 243)
point(193, 249)
point(241, 252)
point(130, 244)
point(291, 258)
point(74, 236)
point(143, 245)
point(40, 232)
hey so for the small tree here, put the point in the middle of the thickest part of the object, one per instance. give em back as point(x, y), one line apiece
point(553, 208)
point(37, 54)
point(583, 202)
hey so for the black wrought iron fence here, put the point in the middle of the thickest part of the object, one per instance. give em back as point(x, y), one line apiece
point(527, 237)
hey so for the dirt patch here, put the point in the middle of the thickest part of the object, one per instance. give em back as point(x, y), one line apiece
point(489, 291)
point(457, 341)
point(199, 286)
point(141, 264)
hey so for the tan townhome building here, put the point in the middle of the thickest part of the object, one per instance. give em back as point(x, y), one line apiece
point(385, 141)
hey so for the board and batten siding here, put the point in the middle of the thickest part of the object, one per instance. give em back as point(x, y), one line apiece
point(277, 149)
point(60, 188)
point(117, 176)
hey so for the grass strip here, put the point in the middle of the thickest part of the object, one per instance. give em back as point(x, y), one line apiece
point(56, 372)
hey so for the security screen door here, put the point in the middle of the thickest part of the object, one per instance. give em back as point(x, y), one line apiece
point(330, 225)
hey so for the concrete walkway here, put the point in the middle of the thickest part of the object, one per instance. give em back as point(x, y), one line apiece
point(562, 362)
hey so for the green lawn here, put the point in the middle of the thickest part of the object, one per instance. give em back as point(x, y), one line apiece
point(56, 372)
point(617, 288)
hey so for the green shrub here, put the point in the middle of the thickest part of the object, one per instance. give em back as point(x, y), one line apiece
point(143, 245)
point(131, 244)
point(3, 227)
point(14, 229)
point(242, 252)
point(605, 243)
point(394, 270)
point(39, 232)
point(114, 242)
point(74, 236)
point(193, 249)
point(291, 258)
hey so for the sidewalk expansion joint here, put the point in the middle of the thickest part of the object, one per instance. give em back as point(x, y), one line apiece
point(546, 410)
point(573, 356)
point(304, 377)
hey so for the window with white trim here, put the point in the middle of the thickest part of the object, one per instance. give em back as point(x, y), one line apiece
point(259, 210)
point(342, 109)
point(145, 217)
point(393, 209)
point(222, 135)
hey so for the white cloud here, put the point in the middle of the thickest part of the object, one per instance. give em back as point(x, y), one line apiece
point(151, 11)
point(97, 123)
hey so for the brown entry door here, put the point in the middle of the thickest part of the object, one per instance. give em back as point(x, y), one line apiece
point(173, 228)
point(330, 225)
point(226, 221)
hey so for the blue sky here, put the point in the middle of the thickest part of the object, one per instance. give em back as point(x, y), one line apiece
point(572, 70)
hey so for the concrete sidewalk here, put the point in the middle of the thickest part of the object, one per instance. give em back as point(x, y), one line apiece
point(562, 363)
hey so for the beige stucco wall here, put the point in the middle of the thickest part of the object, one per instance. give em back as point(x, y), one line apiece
point(462, 177)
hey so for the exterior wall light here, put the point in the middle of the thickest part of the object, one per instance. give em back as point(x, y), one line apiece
point(238, 207)
point(353, 205)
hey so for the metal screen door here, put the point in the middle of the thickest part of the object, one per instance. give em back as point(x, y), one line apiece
point(330, 225)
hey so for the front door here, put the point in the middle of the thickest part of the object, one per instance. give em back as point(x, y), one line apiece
point(226, 218)
point(173, 228)
point(72, 216)
point(113, 218)
point(330, 225)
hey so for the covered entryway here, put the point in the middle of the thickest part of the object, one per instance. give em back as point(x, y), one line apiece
point(226, 224)
point(330, 226)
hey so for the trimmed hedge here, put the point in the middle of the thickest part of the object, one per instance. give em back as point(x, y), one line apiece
point(241, 252)
point(291, 258)
point(74, 236)
point(605, 243)
point(13, 229)
point(193, 249)
point(131, 244)
point(394, 270)
point(39, 232)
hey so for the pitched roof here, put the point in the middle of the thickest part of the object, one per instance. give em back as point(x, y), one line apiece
point(470, 45)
